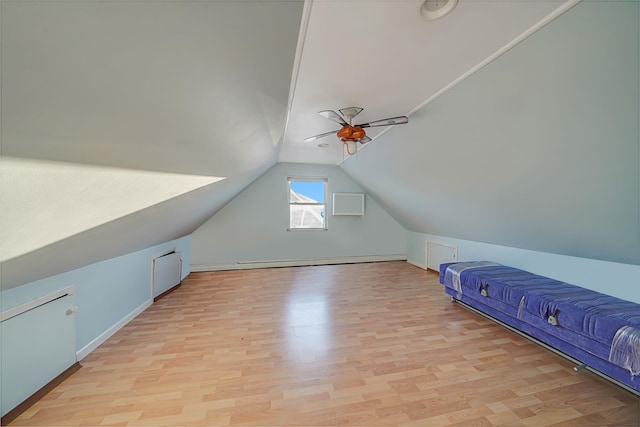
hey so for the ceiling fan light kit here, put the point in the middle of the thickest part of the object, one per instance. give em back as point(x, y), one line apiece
point(350, 134)
point(350, 147)
point(435, 9)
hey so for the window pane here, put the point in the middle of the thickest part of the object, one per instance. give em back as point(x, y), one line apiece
point(302, 191)
point(306, 216)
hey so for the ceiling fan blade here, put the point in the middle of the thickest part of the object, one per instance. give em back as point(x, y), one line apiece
point(400, 120)
point(322, 135)
point(332, 115)
point(365, 140)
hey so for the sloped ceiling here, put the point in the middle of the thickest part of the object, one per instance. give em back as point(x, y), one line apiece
point(384, 57)
point(204, 90)
point(104, 102)
point(186, 87)
point(107, 193)
point(539, 150)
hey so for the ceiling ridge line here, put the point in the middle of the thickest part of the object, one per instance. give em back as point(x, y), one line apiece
point(297, 61)
point(519, 39)
point(516, 41)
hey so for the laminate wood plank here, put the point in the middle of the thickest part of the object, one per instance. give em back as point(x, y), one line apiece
point(360, 344)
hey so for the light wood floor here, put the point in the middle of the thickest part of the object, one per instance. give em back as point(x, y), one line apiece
point(367, 344)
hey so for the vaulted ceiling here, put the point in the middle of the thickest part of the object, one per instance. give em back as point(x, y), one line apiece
point(384, 57)
point(204, 97)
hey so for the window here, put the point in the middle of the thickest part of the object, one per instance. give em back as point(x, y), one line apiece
point(307, 203)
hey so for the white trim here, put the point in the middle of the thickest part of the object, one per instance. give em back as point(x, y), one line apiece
point(96, 342)
point(325, 181)
point(539, 25)
point(297, 60)
point(247, 265)
point(504, 49)
point(307, 229)
point(417, 264)
point(307, 178)
point(36, 302)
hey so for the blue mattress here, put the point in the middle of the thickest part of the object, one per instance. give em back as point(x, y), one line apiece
point(580, 317)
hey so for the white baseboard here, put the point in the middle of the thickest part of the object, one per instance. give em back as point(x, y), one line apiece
point(242, 265)
point(84, 351)
point(417, 264)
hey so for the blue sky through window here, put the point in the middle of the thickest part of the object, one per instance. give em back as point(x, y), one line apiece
point(314, 190)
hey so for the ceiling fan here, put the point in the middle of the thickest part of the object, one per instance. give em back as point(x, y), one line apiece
point(351, 134)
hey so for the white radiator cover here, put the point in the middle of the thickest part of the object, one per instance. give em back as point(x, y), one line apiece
point(167, 272)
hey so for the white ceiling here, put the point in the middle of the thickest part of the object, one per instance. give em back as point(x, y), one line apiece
point(211, 88)
point(205, 87)
point(382, 56)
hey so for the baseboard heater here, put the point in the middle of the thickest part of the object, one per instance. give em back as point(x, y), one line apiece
point(247, 265)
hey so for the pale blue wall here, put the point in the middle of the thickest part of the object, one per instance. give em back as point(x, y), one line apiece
point(253, 226)
point(106, 291)
point(620, 280)
point(539, 150)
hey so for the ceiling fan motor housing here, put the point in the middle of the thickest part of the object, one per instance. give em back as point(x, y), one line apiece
point(351, 133)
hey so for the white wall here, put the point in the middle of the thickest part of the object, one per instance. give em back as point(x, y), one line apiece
point(107, 293)
point(620, 280)
point(253, 226)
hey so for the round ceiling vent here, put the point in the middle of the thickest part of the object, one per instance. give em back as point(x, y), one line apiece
point(434, 9)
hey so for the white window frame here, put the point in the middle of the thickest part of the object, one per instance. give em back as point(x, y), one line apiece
point(325, 181)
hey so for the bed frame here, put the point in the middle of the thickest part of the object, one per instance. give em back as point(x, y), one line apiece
point(596, 331)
